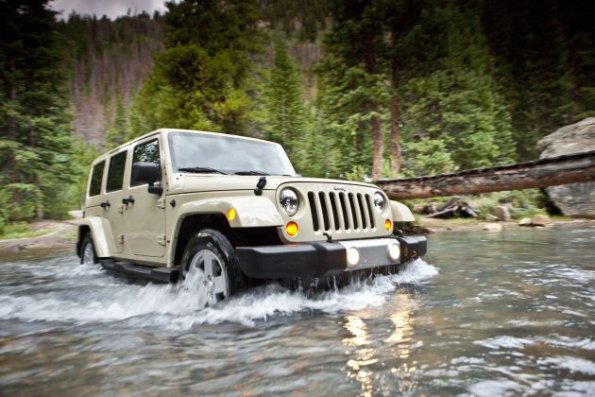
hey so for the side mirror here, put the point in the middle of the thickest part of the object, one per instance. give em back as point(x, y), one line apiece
point(146, 172)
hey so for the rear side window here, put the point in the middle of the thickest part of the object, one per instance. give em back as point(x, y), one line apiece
point(146, 152)
point(96, 178)
point(115, 175)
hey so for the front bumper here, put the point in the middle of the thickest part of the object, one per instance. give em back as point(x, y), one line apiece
point(320, 259)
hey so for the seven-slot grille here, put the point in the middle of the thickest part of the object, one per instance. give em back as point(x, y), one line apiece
point(341, 211)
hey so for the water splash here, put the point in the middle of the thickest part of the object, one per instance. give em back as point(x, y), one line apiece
point(108, 299)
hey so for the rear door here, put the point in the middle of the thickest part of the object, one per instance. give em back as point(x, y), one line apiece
point(112, 199)
point(145, 212)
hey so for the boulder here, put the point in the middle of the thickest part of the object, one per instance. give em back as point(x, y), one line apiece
point(525, 222)
point(502, 213)
point(576, 199)
point(540, 220)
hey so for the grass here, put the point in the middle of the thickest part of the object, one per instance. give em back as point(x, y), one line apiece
point(20, 230)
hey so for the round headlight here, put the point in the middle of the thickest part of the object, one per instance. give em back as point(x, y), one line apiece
point(289, 201)
point(379, 201)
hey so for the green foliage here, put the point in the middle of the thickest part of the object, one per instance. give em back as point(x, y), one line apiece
point(201, 80)
point(285, 111)
point(4, 208)
point(427, 156)
point(20, 230)
point(545, 58)
point(116, 134)
point(34, 121)
point(521, 203)
point(452, 96)
point(22, 199)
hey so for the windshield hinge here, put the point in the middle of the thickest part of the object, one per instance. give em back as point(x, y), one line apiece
point(161, 203)
point(262, 182)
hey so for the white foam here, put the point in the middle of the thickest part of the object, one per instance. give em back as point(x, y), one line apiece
point(572, 364)
point(107, 299)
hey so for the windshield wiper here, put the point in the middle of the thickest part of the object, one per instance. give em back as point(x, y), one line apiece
point(250, 173)
point(201, 170)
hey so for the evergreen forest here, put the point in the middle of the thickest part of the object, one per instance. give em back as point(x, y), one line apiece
point(353, 89)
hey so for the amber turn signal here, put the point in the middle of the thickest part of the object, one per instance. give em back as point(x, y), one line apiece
point(292, 229)
point(388, 225)
point(231, 214)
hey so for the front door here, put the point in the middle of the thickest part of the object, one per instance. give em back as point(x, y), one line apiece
point(145, 212)
point(113, 209)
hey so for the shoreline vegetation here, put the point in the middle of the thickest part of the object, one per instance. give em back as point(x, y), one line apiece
point(61, 235)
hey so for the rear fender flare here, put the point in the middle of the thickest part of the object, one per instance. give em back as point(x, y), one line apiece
point(100, 232)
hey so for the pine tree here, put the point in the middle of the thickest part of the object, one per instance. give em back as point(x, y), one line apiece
point(201, 80)
point(452, 97)
point(34, 122)
point(283, 101)
point(116, 134)
point(354, 93)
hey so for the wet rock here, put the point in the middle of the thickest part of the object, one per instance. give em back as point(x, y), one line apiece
point(425, 209)
point(576, 199)
point(492, 227)
point(540, 220)
point(491, 218)
point(525, 222)
point(502, 213)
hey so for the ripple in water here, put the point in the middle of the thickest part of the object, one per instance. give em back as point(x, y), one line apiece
point(84, 294)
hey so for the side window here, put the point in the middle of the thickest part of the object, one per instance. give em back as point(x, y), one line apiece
point(96, 178)
point(115, 175)
point(146, 152)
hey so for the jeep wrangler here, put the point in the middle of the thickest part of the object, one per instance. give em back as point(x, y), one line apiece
point(225, 209)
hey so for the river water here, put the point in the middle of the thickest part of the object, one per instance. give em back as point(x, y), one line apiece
point(510, 313)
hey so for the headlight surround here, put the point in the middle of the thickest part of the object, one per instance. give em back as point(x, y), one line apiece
point(379, 201)
point(289, 201)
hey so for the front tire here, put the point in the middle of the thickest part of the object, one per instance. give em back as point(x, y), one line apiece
point(210, 265)
point(88, 255)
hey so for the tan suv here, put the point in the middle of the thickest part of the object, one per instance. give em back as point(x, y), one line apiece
point(223, 209)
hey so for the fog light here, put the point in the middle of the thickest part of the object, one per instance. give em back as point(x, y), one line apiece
point(352, 256)
point(292, 229)
point(388, 225)
point(231, 214)
point(394, 251)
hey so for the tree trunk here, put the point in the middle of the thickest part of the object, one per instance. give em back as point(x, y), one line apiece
point(553, 171)
point(395, 129)
point(377, 136)
point(378, 148)
point(39, 212)
point(395, 112)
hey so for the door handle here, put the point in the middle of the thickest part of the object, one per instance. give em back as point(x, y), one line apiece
point(129, 200)
point(105, 204)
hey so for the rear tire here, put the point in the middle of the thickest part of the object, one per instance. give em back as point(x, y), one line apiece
point(88, 254)
point(210, 265)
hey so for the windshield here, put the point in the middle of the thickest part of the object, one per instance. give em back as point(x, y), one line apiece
point(226, 154)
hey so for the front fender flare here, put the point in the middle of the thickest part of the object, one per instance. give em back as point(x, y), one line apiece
point(250, 211)
point(401, 213)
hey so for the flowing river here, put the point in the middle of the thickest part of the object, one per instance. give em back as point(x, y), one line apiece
point(485, 314)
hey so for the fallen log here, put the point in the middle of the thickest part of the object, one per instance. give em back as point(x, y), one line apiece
point(572, 168)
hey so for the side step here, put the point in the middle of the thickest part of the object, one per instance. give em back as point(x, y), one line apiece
point(158, 274)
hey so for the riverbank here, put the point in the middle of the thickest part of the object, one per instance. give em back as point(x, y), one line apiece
point(434, 225)
point(62, 234)
point(54, 234)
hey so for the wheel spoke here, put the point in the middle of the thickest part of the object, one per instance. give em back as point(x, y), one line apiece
point(220, 284)
point(209, 265)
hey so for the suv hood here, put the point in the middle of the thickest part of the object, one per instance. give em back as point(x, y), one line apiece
point(190, 183)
